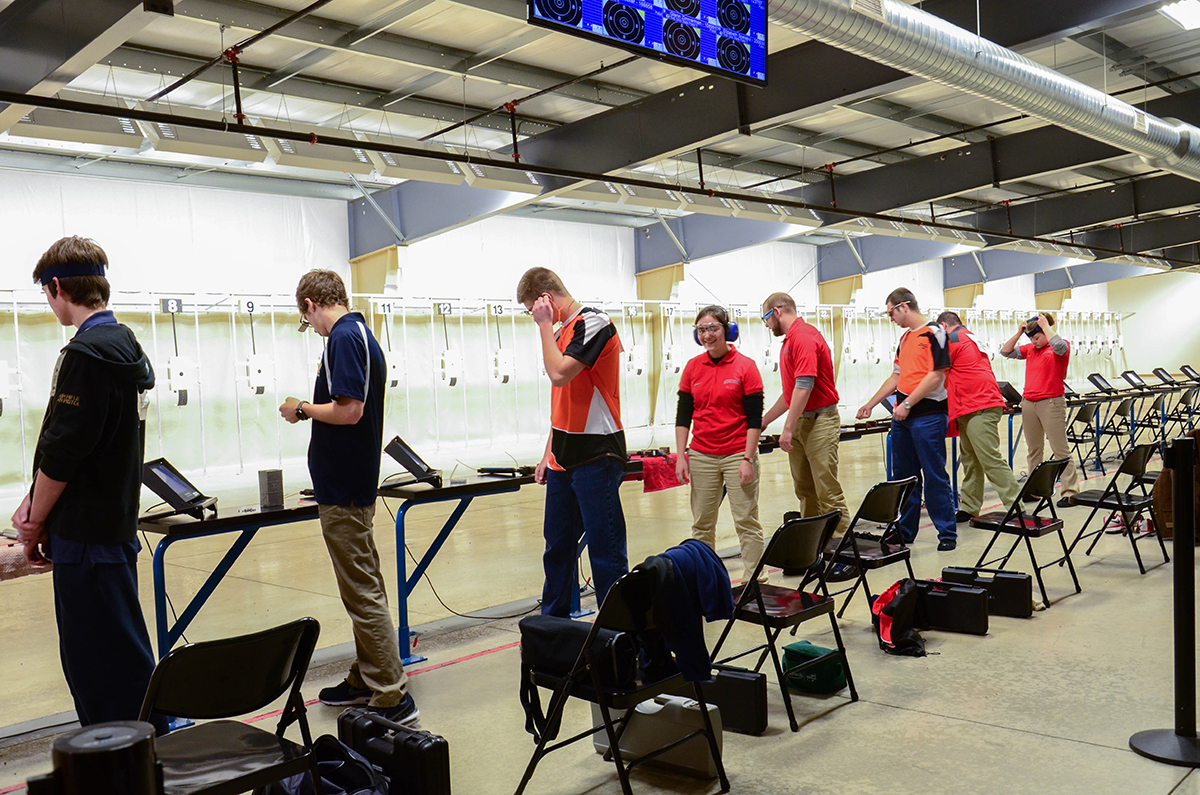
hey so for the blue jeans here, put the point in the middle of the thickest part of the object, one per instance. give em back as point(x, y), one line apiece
point(583, 502)
point(919, 448)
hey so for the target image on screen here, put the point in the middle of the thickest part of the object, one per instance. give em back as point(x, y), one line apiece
point(724, 37)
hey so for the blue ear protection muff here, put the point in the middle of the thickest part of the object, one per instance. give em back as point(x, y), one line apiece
point(731, 333)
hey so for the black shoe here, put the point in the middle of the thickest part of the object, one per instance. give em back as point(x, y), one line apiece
point(841, 572)
point(344, 695)
point(963, 516)
point(1030, 498)
point(405, 713)
point(1066, 502)
point(947, 546)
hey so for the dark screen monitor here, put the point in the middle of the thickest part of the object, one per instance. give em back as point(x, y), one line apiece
point(1068, 391)
point(1165, 377)
point(1190, 372)
point(1133, 379)
point(169, 483)
point(1101, 383)
point(723, 37)
point(407, 458)
point(1011, 395)
point(889, 403)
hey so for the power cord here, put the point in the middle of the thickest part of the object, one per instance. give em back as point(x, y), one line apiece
point(425, 576)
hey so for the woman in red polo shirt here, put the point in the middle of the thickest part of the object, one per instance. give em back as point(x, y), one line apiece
point(1044, 408)
point(721, 402)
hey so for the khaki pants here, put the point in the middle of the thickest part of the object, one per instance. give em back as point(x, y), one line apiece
point(710, 474)
point(349, 537)
point(1047, 419)
point(814, 465)
point(979, 447)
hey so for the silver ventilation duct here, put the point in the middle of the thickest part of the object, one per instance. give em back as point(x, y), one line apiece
point(913, 41)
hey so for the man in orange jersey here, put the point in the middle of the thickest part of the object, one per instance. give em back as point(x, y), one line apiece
point(584, 462)
point(919, 420)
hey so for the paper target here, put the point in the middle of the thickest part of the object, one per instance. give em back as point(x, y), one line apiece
point(733, 55)
point(623, 22)
point(683, 40)
point(568, 12)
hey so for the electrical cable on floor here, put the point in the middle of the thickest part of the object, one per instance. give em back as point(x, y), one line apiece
point(425, 576)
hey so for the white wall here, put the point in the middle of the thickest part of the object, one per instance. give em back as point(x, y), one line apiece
point(1160, 327)
point(171, 237)
point(749, 275)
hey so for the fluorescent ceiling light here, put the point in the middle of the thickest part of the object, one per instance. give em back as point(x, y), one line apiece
point(64, 125)
point(236, 144)
point(422, 169)
point(1185, 13)
point(323, 157)
point(965, 239)
point(596, 192)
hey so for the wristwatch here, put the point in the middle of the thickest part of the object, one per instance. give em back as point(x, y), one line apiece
point(300, 415)
point(907, 405)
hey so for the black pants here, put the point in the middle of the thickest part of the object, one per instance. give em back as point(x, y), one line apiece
point(102, 639)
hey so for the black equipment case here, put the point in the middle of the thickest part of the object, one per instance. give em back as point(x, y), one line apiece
point(1010, 593)
point(951, 607)
point(414, 762)
point(741, 697)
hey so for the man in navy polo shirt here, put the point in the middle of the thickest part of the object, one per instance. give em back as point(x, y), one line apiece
point(343, 459)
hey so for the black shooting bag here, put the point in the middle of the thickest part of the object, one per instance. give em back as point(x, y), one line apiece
point(552, 646)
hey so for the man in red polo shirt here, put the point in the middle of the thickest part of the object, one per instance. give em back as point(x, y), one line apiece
point(975, 407)
point(812, 428)
point(1044, 407)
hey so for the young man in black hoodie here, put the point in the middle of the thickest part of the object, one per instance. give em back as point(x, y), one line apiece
point(81, 512)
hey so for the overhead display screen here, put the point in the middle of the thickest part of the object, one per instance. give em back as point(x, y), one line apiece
point(725, 37)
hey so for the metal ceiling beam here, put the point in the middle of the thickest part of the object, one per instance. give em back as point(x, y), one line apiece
point(48, 43)
point(802, 78)
point(963, 269)
point(1091, 207)
point(703, 236)
point(363, 32)
point(1044, 150)
point(333, 35)
point(1177, 230)
point(169, 63)
point(1083, 275)
point(1129, 61)
point(877, 253)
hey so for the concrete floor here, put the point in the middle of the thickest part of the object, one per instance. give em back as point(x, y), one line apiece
point(1043, 705)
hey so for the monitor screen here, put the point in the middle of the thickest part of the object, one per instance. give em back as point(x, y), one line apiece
point(169, 484)
point(185, 490)
point(1133, 378)
point(407, 458)
point(724, 37)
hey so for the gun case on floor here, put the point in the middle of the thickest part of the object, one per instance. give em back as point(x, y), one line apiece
point(1010, 593)
point(951, 607)
point(414, 762)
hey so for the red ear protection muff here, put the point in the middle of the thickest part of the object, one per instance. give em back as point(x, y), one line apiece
point(731, 333)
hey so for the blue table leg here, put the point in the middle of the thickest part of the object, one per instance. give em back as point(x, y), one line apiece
point(1096, 442)
point(577, 611)
point(405, 584)
point(887, 455)
point(954, 467)
point(168, 635)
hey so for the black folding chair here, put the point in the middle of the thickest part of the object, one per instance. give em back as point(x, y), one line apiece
point(1119, 426)
point(1027, 526)
point(1081, 432)
point(627, 608)
point(1181, 416)
point(867, 551)
point(797, 544)
point(1130, 500)
point(224, 678)
point(1153, 419)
